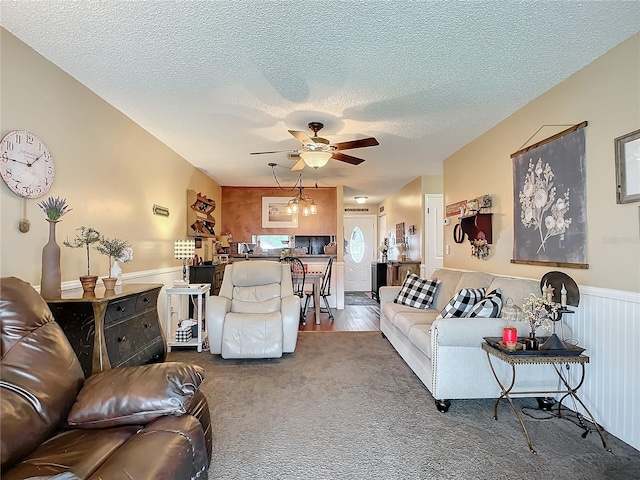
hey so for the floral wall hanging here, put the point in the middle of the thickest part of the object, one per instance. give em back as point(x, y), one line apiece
point(549, 180)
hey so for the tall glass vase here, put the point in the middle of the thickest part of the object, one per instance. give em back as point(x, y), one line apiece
point(51, 279)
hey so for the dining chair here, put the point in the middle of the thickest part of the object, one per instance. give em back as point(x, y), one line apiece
point(298, 280)
point(325, 291)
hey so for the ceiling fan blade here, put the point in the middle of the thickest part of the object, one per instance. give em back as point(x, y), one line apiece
point(347, 158)
point(364, 142)
point(302, 137)
point(299, 165)
point(275, 151)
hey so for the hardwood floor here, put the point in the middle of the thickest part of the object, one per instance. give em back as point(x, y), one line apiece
point(355, 318)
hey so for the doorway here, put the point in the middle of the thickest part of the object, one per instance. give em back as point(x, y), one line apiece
point(434, 232)
point(359, 252)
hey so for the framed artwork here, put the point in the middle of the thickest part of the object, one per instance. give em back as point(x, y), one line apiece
point(274, 215)
point(549, 198)
point(628, 167)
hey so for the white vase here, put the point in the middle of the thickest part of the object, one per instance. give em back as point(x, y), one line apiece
point(116, 272)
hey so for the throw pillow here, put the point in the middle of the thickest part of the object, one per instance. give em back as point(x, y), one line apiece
point(488, 307)
point(462, 303)
point(135, 395)
point(416, 292)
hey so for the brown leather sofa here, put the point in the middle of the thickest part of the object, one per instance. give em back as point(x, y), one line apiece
point(146, 422)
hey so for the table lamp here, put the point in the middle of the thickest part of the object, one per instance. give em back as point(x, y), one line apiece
point(183, 250)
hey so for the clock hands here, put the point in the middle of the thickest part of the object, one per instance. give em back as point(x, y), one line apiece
point(18, 161)
point(24, 163)
point(35, 159)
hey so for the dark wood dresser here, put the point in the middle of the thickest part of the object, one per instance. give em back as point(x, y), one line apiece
point(378, 278)
point(112, 329)
point(212, 274)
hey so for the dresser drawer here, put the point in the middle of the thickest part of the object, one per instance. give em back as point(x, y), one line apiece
point(147, 300)
point(119, 309)
point(153, 353)
point(125, 338)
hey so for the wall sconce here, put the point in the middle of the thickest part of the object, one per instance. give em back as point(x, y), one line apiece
point(162, 211)
point(360, 200)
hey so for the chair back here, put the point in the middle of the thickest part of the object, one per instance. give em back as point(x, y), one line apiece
point(325, 289)
point(297, 274)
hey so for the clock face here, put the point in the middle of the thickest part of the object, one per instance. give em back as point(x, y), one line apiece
point(26, 165)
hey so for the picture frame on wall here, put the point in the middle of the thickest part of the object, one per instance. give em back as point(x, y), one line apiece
point(628, 167)
point(549, 180)
point(274, 214)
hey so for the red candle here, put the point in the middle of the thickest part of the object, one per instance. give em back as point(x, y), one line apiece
point(509, 335)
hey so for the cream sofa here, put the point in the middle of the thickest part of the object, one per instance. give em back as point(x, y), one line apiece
point(446, 353)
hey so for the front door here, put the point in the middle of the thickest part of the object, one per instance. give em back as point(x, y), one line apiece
point(359, 252)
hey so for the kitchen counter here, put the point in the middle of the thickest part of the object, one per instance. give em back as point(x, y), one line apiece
point(277, 257)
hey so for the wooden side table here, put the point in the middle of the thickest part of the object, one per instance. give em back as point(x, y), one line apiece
point(201, 292)
point(557, 360)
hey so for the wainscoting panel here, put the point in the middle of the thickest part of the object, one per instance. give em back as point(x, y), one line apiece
point(607, 324)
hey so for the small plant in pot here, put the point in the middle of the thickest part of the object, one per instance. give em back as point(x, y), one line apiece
point(113, 248)
point(85, 237)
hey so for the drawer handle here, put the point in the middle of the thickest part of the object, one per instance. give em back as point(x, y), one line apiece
point(122, 338)
point(145, 300)
point(146, 325)
point(120, 308)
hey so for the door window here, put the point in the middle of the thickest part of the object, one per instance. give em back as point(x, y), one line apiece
point(357, 245)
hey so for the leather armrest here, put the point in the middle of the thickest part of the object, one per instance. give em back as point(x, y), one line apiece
point(135, 395)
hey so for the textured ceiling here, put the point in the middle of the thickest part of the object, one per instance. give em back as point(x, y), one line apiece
point(217, 80)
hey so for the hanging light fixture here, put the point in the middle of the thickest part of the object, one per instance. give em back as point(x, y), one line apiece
point(301, 202)
point(360, 200)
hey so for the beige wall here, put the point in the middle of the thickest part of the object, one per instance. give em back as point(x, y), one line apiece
point(109, 169)
point(406, 206)
point(606, 93)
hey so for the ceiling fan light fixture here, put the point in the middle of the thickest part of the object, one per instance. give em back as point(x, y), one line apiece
point(361, 199)
point(316, 159)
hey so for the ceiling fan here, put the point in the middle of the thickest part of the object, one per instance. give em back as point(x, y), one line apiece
point(316, 151)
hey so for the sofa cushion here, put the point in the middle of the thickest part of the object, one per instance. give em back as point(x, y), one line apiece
point(40, 374)
point(390, 310)
point(475, 280)
point(416, 292)
point(462, 303)
point(77, 451)
point(518, 289)
point(488, 307)
point(406, 320)
point(135, 395)
point(448, 282)
point(420, 336)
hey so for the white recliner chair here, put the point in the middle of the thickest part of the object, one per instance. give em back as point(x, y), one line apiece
point(256, 314)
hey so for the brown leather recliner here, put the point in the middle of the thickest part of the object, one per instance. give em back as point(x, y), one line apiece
point(146, 422)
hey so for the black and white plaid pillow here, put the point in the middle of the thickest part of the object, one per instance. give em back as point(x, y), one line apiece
point(416, 292)
point(488, 307)
point(462, 303)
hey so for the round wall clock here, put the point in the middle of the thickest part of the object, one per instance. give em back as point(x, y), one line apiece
point(26, 164)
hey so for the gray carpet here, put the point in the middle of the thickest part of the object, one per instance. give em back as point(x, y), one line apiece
point(345, 406)
point(358, 298)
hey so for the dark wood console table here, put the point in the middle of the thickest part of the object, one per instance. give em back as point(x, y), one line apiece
point(558, 360)
point(112, 329)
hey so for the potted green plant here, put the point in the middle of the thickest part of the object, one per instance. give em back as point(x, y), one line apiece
point(113, 248)
point(84, 239)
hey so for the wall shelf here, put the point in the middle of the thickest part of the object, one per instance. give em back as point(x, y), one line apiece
point(477, 226)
